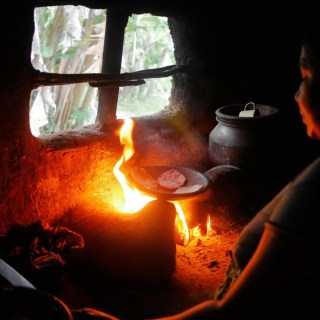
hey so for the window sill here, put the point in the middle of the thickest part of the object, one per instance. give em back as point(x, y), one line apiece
point(78, 139)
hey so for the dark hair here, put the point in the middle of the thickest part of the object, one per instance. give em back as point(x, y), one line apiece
point(310, 40)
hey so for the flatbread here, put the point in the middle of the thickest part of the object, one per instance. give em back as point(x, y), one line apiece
point(171, 179)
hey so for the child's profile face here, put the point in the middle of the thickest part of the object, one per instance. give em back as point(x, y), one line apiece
point(308, 95)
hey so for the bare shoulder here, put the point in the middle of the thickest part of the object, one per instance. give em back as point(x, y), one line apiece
point(310, 173)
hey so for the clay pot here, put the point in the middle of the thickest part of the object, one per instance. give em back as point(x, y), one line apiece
point(250, 142)
point(244, 142)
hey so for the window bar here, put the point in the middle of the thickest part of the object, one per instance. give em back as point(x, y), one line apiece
point(111, 64)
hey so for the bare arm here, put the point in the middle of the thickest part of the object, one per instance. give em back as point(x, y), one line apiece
point(250, 236)
point(202, 311)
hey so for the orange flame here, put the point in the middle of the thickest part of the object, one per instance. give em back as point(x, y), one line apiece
point(181, 223)
point(208, 224)
point(134, 199)
point(210, 230)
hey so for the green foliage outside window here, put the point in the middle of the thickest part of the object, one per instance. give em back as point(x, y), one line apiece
point(147, 44)
point(69, 39)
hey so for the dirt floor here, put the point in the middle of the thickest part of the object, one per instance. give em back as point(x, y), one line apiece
point(200, 270)
point(200, 267)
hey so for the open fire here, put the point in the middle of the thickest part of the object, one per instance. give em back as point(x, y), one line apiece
point(135, 200)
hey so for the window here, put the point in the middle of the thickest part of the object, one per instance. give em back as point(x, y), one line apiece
point(147, 44)
point(69, 40)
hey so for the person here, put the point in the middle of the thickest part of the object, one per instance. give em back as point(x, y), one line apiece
point(274, 272)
